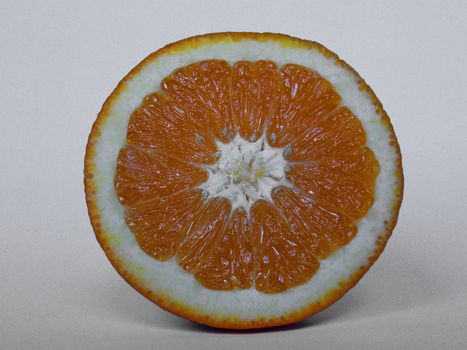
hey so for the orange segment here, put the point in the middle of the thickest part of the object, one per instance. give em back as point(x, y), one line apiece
point(304, 97)
point(166, 125)
point(319, 228)
point(341, 132)
point(230, 264)
point(346, 180)
point(254, 90)
point(160, 224)
point(143, 175)
point(283, 257)
point(204, 234)
point(205, 87)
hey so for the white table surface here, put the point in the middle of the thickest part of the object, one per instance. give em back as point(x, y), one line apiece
point(59, 60)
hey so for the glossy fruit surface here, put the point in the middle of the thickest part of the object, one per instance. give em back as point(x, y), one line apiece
point(243, 180)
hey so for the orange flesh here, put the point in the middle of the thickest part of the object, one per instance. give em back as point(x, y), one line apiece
point(284, 259)
point(230, 265)
point(158, 224)
point(254, 90)
point(304, 98)
point(278, 244)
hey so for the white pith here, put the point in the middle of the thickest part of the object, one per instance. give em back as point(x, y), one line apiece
point(245, 172)
point(166, 277)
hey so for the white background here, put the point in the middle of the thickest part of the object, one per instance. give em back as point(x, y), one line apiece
point(59, 60)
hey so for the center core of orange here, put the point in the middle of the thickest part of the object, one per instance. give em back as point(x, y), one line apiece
point(245, 172)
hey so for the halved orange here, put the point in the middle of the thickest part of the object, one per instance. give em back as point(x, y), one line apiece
point(243, 180)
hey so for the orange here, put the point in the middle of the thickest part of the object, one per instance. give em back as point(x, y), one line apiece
point(243, 180)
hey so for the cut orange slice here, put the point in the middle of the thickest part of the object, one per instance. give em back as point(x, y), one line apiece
point(243, 180)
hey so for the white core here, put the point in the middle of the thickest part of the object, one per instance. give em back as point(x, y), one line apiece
point(245, 172)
